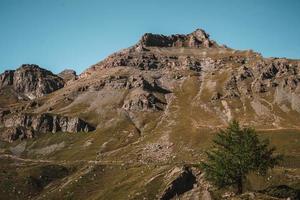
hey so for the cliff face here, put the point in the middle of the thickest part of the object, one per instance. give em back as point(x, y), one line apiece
point(68, 75)
point(7, 78)
point(22, 126)
point(196, 39)
point(31, 81)
point(27, 83)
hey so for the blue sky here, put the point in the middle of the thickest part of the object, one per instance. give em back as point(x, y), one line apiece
point(59, 34)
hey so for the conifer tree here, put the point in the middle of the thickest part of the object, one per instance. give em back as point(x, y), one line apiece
point(236, 152)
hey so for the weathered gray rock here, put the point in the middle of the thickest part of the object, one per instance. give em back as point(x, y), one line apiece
point(142, 97)
point(31, 81)
point(182, 180)
point(7, 78)
point(196, 39)
point(11, 134)
point(143, 101)
point(68, 74)
point(43, 123)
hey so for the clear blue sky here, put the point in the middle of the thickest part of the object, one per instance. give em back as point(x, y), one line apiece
point(59, 34)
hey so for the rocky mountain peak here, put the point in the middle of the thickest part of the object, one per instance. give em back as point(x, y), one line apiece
point(198, 38)
point(30, 67)
point(31, 81)
point(68, 74)
point(174, 51)
point(200, 34)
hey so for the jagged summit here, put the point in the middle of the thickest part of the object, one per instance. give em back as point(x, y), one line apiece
point(198, 38)
point(31, 66)
point(30, 81)
point(68, 74)
point(157, 51)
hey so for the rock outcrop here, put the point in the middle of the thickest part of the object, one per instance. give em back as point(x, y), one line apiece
point(31, 81)
point(182, 180)
point(196, 39)
point(145, 95)
point(22, 126)
point(151, 61)
point(140, 57)
point(7, 78)
point(11, 134)
point(68, 75)
point(141, 100)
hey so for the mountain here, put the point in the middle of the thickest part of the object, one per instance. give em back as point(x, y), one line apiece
point(149, 113)
point(28, 82)
point(68, 74)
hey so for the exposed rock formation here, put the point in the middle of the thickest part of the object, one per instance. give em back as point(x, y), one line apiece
point(182, 180)
point(142, 58)
point(11, 134)
point(7, 78)
point(26, 125)
point(68, 74)
point(144, 94)
point(142, 101)
point(196, 39)
point(31, 81)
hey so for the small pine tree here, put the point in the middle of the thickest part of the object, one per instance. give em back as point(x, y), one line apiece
point(236, 152)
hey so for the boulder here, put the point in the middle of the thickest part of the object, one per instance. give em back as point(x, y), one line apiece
point(181, 181)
